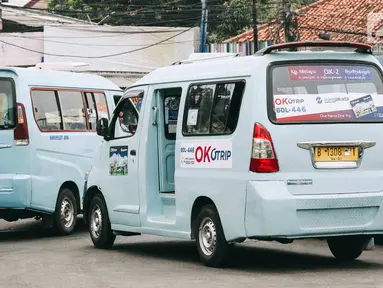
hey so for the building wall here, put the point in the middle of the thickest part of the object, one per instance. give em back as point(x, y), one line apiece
point(98, 41)
point(14, 56)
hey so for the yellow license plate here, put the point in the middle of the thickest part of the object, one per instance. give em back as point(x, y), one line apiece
point(336, 154)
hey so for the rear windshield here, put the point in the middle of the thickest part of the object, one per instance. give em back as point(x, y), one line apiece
point(319, 93)
point(7, 105)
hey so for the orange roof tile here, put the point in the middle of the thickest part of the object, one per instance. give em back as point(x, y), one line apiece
point(344, 20)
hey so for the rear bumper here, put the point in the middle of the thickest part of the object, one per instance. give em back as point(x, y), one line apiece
point(15, 191)
point(273, 212)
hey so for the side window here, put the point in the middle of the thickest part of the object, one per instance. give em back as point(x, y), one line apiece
point(96, 108)
point(116, 98)
point(171, 106)
point(127, 119)
point(212, 108)
point(102, 107)
point(73, 111)
point(46, 110)
point(92, 110)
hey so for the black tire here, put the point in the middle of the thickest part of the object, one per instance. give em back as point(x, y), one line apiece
point(65, 216)
point(103, 238)
point(346, 248)
point(220, 253)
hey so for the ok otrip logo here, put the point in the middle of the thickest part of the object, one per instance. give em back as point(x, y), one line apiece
point(288, 101)
point(207, 154)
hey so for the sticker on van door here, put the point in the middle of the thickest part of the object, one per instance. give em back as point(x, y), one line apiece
point(118, 161)
point(206, 154)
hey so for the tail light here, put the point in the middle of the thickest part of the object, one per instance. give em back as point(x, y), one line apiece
point(21, 134)
point(263, 157)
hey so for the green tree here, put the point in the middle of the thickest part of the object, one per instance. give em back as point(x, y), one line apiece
point(226, 18)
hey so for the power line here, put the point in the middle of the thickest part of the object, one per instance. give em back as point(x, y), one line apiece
point(98, 57)
point(91, 44)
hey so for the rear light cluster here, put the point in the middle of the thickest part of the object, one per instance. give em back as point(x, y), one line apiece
point(21, 134)
point(263, 157)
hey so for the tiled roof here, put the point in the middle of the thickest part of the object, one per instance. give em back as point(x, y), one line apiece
point(344, 20)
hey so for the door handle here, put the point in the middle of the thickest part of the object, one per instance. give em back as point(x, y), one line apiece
point(133, 152)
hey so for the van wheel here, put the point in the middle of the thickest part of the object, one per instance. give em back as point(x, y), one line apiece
point(346, 248)
point(99, 225)
point(65, 217)
point(212, 247)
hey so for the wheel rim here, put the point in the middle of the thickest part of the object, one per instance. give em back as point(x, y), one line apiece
point(67, 212)
point(207, 236)
point(96, 222)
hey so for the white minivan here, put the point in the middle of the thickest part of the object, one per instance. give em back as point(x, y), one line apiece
point(47, 141)
point(280, 145)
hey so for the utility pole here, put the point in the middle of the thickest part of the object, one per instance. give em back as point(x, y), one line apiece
point(203, 26)
point(255, 28)
point(286, 18)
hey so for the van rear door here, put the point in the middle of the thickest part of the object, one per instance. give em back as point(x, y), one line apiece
point(328, 126)
point(8, 122)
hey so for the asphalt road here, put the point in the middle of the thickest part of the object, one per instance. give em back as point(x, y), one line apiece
point(31, 256)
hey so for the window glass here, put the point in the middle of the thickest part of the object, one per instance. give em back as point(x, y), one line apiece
point(334, 93)
point(213, 108)
point(7, 105)
point(102, 107)
point(198, 113)
point(72, 109)
point(116, 98)
point(92, 110)
point(127, 119)
point(171, 105)
point(47, 114)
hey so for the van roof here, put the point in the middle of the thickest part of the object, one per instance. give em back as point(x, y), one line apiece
point(50, 78)
point(242, 66)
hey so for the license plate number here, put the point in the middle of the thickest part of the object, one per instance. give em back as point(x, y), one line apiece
point(336, 154)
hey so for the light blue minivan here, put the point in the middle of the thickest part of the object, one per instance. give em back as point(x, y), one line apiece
point(277, 146)
point(47, 141)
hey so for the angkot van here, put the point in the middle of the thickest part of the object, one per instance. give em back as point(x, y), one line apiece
point(47, 141)
point(277, 146)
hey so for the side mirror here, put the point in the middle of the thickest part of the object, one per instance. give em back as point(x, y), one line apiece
point(102, 127)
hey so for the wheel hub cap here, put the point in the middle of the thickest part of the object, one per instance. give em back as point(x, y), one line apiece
point(96, 222)
point(207, 236)
point(67, 213)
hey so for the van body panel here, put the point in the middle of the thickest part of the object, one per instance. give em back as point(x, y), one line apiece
point(300, 200)
point(31, 175)
point(15, 179)
point(272, 211)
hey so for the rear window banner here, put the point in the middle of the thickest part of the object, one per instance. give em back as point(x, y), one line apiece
point(328, 107)
point(322, 73)
point(206, 154)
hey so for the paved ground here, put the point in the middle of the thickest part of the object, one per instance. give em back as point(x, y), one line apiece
point(33, 257)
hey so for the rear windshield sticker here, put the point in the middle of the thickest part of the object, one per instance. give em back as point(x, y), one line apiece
point(304, 73)
point(363, 106)
point(328, 107)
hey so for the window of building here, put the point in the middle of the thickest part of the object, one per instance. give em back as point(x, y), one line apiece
point(212, 108)
point(46, 110)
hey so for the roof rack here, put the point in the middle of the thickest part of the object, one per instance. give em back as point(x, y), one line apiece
point(196, 57)
point(360, 47)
